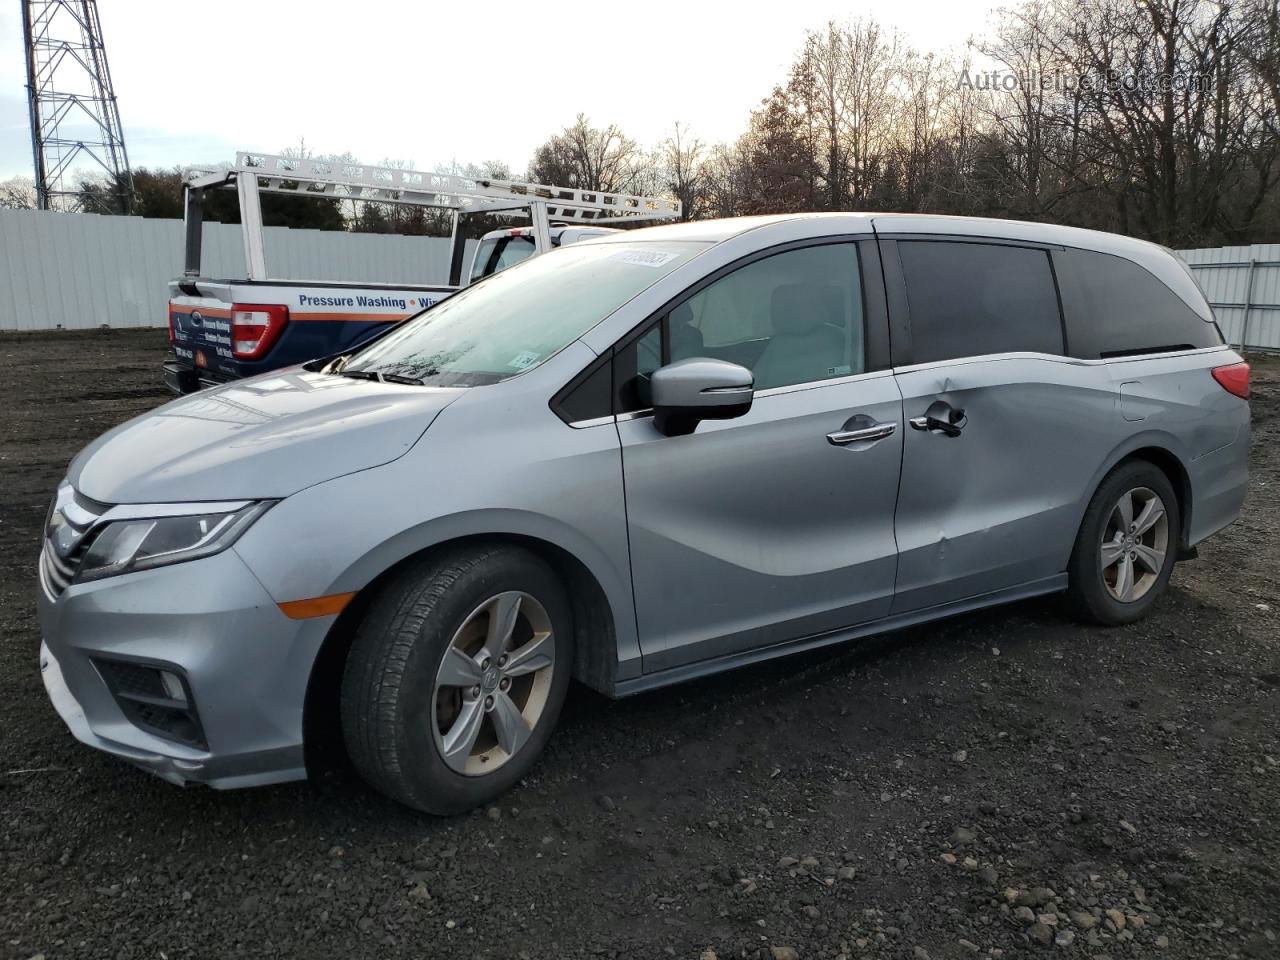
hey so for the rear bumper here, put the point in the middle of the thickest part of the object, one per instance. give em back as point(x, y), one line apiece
point(1219, 481)
point(183, 378)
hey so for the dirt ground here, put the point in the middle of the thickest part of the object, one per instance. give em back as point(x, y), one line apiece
point(1006, 783)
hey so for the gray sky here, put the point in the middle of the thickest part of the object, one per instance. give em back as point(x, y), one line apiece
point(433, 82)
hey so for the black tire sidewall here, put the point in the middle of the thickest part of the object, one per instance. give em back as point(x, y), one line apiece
point(1087, 584)
point(425, 780)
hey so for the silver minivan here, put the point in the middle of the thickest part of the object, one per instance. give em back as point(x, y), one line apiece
point(636, 460)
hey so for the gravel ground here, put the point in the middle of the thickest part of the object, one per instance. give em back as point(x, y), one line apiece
point(1006, 783)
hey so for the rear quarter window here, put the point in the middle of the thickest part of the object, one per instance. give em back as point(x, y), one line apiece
point(1115, 308)
point(973, 299)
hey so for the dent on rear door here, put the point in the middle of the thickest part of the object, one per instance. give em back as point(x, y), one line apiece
point(998, 506)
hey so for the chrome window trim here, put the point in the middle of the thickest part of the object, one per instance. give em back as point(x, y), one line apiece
point(1074, 361)
point(827, 382)
point(593, 422)
point(157, 511)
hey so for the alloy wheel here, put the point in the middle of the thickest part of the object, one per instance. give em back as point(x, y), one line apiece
point(1135, 541)
point(493, 683)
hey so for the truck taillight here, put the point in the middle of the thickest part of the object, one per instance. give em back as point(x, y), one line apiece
point(171, 335)
point(255, 327)
point(1234, 378)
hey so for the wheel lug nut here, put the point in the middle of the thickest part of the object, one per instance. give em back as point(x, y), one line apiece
point(484, 664)
point(505, 684)
point(502, 660)
point(488, 703)
point(475, 691)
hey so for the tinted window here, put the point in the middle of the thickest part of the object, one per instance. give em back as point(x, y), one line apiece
point(634, 365)
point(971, 299)
point(589, 396)
point(1116, 307)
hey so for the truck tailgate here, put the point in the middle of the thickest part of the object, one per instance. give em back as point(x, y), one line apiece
point(293, 322)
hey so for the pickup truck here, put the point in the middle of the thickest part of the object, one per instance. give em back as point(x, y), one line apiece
point(224, 329)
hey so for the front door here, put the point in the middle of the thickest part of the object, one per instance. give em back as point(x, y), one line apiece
point(779, 524)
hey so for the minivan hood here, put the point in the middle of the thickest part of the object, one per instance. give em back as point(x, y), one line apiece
point(261, 438)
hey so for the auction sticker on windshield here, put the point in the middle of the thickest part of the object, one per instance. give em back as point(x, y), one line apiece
point(526, 358)
point(645, 258)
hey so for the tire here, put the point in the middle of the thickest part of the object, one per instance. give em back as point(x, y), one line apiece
point(404, 709)
point(1096, 589)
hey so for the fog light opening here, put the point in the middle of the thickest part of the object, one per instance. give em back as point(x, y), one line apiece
point(173, 687)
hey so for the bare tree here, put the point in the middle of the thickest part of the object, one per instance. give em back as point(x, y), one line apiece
point(588, 158)
point(18, 193)
point(682, 158)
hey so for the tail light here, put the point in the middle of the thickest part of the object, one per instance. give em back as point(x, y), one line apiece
point(171, 334)
point(1234, 379)
point(255, 328)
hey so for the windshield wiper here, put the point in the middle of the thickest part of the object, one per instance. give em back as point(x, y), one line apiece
point(381, 377)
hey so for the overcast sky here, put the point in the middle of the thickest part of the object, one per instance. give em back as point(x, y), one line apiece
point(434, 82)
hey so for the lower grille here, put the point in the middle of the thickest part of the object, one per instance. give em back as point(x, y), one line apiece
point(140, 694)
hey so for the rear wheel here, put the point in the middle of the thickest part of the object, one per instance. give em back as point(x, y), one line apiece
point(456, 678)
point(1127, 544)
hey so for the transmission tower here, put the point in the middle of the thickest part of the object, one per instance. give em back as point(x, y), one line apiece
point(75, 123)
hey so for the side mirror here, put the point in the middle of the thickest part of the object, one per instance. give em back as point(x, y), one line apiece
point(689, 391)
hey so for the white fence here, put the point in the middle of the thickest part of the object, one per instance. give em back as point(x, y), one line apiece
point(1243, 285)
point(79, 271)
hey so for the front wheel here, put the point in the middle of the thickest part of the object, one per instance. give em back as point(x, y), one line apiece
point(456, 678)
point(1127, 544)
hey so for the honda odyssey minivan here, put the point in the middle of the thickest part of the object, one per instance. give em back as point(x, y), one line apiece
point(636, 460)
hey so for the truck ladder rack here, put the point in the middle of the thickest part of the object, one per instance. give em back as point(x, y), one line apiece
point(358, 181)
point(253, 173)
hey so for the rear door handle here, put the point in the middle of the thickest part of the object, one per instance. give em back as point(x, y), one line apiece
point(941, 418)
point(877, 431)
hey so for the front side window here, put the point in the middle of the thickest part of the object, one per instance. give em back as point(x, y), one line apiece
point(974, 299)
point(793, 317)
point(518, 318)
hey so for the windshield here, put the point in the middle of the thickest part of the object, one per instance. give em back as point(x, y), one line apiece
point(518, 318)
point(498, 253)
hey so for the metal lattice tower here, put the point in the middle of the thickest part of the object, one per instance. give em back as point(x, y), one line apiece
point(75, 123)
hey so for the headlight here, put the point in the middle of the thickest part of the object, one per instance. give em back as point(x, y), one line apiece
point(125, 545)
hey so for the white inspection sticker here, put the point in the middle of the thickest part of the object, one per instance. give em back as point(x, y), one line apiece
point(526, 358)
point(645, 258)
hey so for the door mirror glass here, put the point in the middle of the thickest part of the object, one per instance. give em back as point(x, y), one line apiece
point(689, 391)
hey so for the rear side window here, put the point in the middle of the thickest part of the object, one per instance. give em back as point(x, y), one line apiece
point(972, 299)
point(1117, 308)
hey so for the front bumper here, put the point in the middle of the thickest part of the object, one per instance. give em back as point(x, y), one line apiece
point(245, 662)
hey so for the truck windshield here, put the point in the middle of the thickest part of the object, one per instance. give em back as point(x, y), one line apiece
point(498, 253)
point(518, 318)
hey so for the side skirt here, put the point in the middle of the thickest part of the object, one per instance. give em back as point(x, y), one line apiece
point(705, 668)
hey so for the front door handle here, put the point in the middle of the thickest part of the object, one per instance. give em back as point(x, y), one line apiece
point(877, 431)
point(942, 418)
